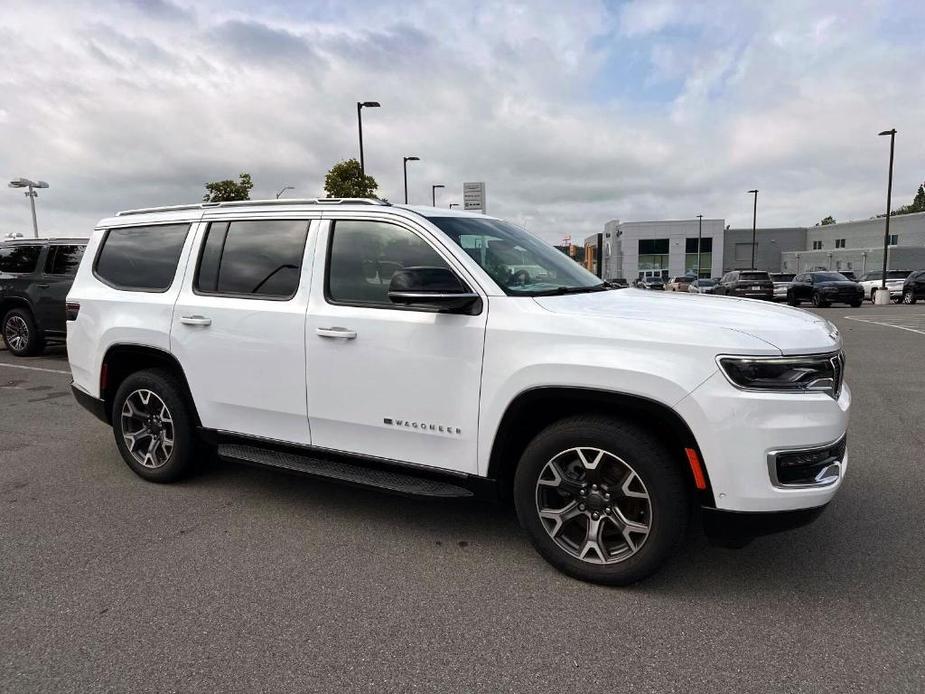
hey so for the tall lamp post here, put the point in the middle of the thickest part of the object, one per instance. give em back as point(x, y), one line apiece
point(284, 190)
point(754, 225)
point(360, 106)
point(433, 193)
point(405, 161)
point(454, 204)
point(889, 202)
point(699, 240)
point(31, 194)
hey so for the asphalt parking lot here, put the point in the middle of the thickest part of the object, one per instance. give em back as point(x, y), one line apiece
point(249, 580)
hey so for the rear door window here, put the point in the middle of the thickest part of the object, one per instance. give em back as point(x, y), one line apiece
point(253, 259)
point(63, 260)
point(142, 258)
point(19, 259)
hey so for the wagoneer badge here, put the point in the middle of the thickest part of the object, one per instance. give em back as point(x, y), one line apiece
point(422, 426)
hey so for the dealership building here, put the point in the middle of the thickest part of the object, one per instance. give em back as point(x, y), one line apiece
point(669, 248)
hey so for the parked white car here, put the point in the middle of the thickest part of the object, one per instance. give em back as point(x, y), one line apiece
point(871, 282)
point(390, 347)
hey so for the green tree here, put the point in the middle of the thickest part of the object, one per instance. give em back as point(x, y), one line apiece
point(229, 189)
point(346, 180)
point(826, 221)
point(918, 203)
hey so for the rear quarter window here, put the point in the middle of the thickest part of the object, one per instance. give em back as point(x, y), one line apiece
point(142, 258)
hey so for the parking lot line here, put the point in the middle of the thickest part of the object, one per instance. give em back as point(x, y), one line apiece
point(886, 325)
point(36, 368)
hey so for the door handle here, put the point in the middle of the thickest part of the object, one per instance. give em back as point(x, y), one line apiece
point(43, 286)
point(343, 333)
point(196, 320)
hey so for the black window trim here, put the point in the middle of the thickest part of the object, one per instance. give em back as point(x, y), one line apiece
point(332, 225)
point(146, 290)
point(241, 295)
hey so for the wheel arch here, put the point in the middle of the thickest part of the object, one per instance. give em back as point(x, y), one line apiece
point(10, 302)
point(122, 360)
point(536, 408)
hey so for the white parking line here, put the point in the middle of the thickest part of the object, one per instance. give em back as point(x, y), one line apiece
point(36, 368)
point(886, 325)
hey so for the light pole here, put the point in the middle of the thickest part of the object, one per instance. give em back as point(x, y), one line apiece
point(889, 201)
point(31, 194)
point(405, 161)
point(283, 191)
point(433, 193)
point(754, 223)
point(454, 204)
point(360, 106)
point(699, 240)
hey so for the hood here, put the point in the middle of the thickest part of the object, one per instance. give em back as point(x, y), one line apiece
point(790, 330)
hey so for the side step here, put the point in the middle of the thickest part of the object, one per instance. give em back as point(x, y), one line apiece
point(329, 468)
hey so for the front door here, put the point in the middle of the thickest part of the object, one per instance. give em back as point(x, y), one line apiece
point(384, 380)
point(239, 326)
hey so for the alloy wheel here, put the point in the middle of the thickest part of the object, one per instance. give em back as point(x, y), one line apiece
point(147, 428)
point(593, 505)
point(907, 297)
point(16, 333)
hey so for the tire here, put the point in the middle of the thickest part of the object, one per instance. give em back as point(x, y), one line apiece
point(818, 301)
point(872, 292)
point(908, 298)
point(142, 399)
point(857, 304)
point(20, 334)
point(652, 497)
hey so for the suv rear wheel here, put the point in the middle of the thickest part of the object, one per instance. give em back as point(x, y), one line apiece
point(153, 427)
point(908, 297)
point(20, 334)
point(601, 499)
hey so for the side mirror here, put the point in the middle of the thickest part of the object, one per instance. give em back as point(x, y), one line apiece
point(434, 288)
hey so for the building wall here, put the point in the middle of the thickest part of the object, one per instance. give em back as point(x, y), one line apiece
point(857, 260)
point(868, 233)
point(769, 245)
point(621, 245)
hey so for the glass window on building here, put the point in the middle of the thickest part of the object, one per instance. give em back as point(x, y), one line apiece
point(653, 257)
point(839, 243)
point(817, 245)
point(894, 239)
point(705, 255)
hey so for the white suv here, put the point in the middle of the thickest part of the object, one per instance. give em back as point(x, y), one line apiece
point(446, 354)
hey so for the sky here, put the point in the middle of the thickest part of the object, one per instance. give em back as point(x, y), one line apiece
point(572, 113)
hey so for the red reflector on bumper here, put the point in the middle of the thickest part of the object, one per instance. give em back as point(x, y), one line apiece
point(700, 480)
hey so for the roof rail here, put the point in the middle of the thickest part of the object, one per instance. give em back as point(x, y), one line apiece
point(257, 203)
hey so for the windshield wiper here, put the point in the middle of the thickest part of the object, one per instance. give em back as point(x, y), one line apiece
point(603, 286)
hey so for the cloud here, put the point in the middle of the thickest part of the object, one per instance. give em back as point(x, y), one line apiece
point(572, 115)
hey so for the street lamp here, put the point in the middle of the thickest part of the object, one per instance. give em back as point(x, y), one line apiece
point(754, 221)
point(405, 161)
point(360, 106)
point(31, 194)
point(889, 195)
point(699, 239)
point(454, 204)
point(283, 191)
point(433, 193)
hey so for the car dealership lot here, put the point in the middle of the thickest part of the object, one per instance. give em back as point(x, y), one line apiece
point(244, 579)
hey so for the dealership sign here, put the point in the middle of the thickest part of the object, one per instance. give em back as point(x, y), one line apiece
point(474, 196)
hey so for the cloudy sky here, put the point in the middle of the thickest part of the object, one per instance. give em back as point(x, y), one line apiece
point(573, 113)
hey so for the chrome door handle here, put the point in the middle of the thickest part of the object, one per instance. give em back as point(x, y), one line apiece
point(343, 333)
point(195, 320)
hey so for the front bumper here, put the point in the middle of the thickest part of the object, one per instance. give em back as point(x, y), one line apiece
point(736, 528)
point(738, 430)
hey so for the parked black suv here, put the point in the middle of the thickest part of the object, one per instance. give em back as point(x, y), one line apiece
point(752, 284)
point(914, 287)
point(35, 277)
point(824, 288)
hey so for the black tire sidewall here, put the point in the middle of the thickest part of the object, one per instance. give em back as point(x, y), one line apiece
point(169, 390)
point(659, 473)
point(34, 344)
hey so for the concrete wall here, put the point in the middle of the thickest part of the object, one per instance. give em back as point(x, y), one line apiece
point(769, 245)
point(857, 260)
point(868, 233)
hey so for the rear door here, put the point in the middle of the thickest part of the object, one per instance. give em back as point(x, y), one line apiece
point(238, 325)
point(53, 284)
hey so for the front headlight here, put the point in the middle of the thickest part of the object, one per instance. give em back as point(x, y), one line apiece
point(809, 374)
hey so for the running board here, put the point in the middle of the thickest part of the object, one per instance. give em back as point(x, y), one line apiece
point(330, 469)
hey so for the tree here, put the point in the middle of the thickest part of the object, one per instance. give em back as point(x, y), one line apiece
point(346, 180)
point(826, 221)
point(229, 189)
point(918, 203)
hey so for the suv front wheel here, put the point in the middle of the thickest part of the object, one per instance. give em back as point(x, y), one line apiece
point(601, 499)
point(20, 333)
point(153, 427)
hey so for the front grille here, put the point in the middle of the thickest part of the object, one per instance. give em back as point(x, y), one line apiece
point(809, 467)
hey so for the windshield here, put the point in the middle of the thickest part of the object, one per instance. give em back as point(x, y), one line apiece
point(829, 277)
point(520, 263)
point(704, 283)
point(895, 274)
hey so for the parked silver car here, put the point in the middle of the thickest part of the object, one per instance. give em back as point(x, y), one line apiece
point(781, 282)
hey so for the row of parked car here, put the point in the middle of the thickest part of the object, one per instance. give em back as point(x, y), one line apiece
point(821, 288)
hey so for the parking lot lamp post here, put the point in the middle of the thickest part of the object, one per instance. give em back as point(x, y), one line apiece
point(360, 106)
point(284, 190)
point(405, 161)
point(889, 195)
point(754, 225)
point(32, 195)
point(454, 204)
point(699, 240)
point(433, 193)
